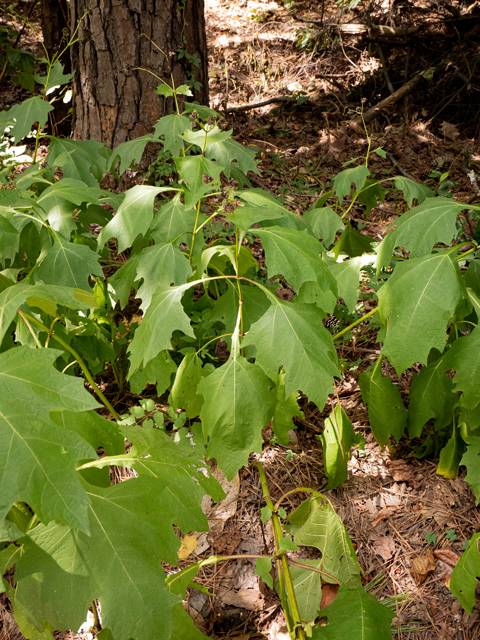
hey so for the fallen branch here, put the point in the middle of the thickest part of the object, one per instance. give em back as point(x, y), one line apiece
point(256, 105)
point(399, 168)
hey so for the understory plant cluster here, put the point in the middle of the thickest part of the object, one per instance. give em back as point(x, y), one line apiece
point(70, 535)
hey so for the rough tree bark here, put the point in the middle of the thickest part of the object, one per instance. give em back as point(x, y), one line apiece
point(113, 100)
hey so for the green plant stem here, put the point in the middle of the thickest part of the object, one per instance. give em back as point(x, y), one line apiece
point(194, 231)
point(282, 559)
point(317, 494)
point(224, 335)
point(81, 364)
point(96, 617)
point(354, 324)
point(30, 328)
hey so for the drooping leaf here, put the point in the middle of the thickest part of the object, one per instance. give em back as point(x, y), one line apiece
point(245, 217)
point(471, 459)
point(183, 394)
point(308, 589)
point(293, 336)
point(59, 214)
point(263, 566)
point(342, 185)
point(355, 615)
point(431, 396)
point(464, 579)
point(312, 293)
point(164, 316)
point(315, 524)
point(69, 265)
point(286, 409)
point(419, 229)
point(158, 371)
point(464, 359)
point(353, 243)
point(295, 255)
point(347, 275)
point(74, 191)
point(203, 112)
point(133, 216)
point(227, 150)
point(205, 138)
point(123, 280)
point(412, 190)
point(25, 114)
point(37, 458)
point(160, 266)
point(192, 170)
point(369, 196)
point(451, 455)
point(13, 297)
point(388, 416)
point(324, 222)
point(56, 77)
point(172, 127)
point(239, 400)
point(127, 152)
point(338, 438)
point(416, 303)
point(97, 431)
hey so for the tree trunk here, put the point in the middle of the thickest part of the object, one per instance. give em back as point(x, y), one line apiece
point(121, 42)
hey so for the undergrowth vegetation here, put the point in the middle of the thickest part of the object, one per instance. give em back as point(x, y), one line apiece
point(71, 535)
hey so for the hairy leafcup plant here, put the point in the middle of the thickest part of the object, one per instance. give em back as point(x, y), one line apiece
point(73, 537)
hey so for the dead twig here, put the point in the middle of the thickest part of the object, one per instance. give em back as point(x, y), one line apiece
point(263, 103)
point(399, 167)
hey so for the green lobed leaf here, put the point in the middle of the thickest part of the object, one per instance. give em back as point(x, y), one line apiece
point(416, 304)
point(172, 220)
point(59, 213)
point(293, 336)
point(388, 416)
point(84, 160)
point(315, 524)
point(55, 78)
point(123, 280)
point(94, 429)
point(26, 114)
point(69, 265)
point(464, 579)
point(133, 217)
point(342, 185)
point(263, 567)
point(419, 229)
point(37, 459)
point(324, 222)
point(355, 615)
point(245, 217)
point(205, 138)
point(172, 127)
point(431, 396)
point(451, 455)
point(295, 255)
point(370, 195)
point(226, 151)
point(239, 400)
point(308, 589)
point(192, 170)
point(338, 438)
point(164, 316)
point(347, 276)
point(128, 152)
point(184, 390)
point(412, 190)
point(203, 112)
point(353, 243)
point(158, 371)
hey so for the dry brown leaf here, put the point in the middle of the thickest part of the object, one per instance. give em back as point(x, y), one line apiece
point(385, 547)
point(447, 555)
point(250, 599)
point(401, 471)
point(422, 566)
point(329, 593)
point(188, 546)
point(449, 130)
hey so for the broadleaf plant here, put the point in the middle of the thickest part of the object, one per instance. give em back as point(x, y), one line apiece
point(77, 536)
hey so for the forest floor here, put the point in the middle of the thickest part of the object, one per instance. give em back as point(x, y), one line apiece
point(408, 524)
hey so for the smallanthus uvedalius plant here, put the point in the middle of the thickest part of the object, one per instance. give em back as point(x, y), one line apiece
point(72, 537)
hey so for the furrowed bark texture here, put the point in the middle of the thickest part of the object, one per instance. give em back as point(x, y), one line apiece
point(113, 101)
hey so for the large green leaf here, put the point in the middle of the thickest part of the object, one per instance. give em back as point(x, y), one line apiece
point(25, 114)
point(59, 212)
point(164, 316)
point(293, 336)
point(295, 255)
point(69, 265)
point(388, 416)
point(464, 359)
point(37, 458)
point(13, 297)
point(416, 304)
point(127, 152)
point(464, 579)
point(84, 160)
point(158, 371)
point(160, 266)
point(226, 151)
point(431, 396)
point(75, 191)
point(183, 394)
point(133, 216)
point(412, 190)
point(421, 228)
point(315, 524)
point(347, 275)
point(342, 185)
point(338, 438)
point(97, 431)
point(63, 570)
point(355, 615)
point(239, 400)
point(353, 243)
point(308, 589)
point(286, 409)
point(172, 220)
